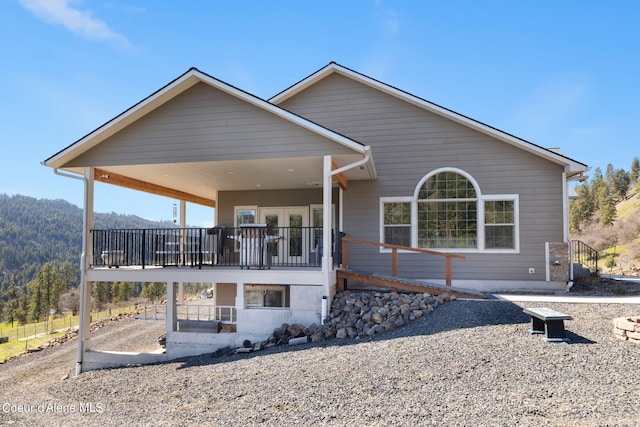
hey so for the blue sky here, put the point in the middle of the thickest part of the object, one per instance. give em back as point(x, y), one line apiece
point(556, 73)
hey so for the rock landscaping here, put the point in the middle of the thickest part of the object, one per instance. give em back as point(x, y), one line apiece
point(354, 314)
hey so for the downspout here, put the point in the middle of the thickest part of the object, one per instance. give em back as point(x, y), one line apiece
point(83, 260)
point(327, 259)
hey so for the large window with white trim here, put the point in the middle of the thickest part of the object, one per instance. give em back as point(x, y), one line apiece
point(449, 212)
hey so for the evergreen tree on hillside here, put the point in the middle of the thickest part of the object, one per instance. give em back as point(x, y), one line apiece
point(101, 294)
point(634, 174)
point(123, 291)
point(23, 308)
point(153, 290)
point(582, 209)
point(620, 185)
point(44, 292)
point(12, 305)
point(37, 309)
point(608, 175)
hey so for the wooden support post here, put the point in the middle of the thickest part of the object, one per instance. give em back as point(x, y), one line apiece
point(394, 262)
point(448, 270)
point(345, 252)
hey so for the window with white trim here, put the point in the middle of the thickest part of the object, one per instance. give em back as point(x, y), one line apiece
point(245, 215)
point(396, 221)
point(499, 224)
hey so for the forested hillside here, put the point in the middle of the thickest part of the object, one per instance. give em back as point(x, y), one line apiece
point(34, 232)
point(606, 216)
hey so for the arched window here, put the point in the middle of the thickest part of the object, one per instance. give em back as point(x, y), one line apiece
point(447, 206)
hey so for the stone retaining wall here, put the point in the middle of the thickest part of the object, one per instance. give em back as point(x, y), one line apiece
point(627, 328)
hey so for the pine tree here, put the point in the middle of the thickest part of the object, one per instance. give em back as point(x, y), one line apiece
point(44, 292)
point(36, 300)
point(125, 291)
point(153, 290)
point(621, 183)
point(608, 211)
point(634, 174)
point(608, 176)
point(101, 294)
point(11, 307)
point(582, 209)
point(23, 309)
point(69, 275)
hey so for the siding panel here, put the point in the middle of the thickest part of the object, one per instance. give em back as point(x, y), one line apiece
point(205, 124)
point(407, 143)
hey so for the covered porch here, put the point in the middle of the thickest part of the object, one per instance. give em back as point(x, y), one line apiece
point(192, 141)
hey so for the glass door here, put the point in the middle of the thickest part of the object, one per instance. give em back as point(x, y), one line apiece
point(288, 240)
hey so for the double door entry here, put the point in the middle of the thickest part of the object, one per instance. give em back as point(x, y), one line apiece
point(291, 224)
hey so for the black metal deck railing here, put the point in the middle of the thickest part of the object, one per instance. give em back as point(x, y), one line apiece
point(248, 246)
point(585, 255)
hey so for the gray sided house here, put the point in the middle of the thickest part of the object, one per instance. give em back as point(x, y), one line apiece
point(339, 179)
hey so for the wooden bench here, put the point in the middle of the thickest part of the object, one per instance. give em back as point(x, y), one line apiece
point(548, 322)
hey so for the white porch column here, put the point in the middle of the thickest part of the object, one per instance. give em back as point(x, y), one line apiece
point(172, 319)
point(327, 255)
point(85, 261)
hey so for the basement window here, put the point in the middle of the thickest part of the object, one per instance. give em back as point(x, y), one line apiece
point(262, 296)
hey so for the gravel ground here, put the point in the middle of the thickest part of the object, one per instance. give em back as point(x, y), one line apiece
point(468, 363)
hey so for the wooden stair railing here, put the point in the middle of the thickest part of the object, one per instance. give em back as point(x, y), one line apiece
point(395, 283)
point(394, 255)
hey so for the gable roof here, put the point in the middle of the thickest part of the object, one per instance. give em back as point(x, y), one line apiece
point(179, 85)
point(572, 167)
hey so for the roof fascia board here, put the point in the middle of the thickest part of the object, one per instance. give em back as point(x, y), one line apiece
point(304, 83)
point(437, 109)
point(170, 91)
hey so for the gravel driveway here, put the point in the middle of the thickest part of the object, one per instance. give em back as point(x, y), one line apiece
point(468, 363)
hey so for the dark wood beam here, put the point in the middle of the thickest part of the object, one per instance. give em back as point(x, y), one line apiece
point(339, 178)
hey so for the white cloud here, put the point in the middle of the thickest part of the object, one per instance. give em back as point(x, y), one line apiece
point(391, 21)
point(77, 21)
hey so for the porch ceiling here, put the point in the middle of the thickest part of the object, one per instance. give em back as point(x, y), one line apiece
point(205, 179)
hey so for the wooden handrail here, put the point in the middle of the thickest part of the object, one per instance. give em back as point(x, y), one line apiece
point(394, 255)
